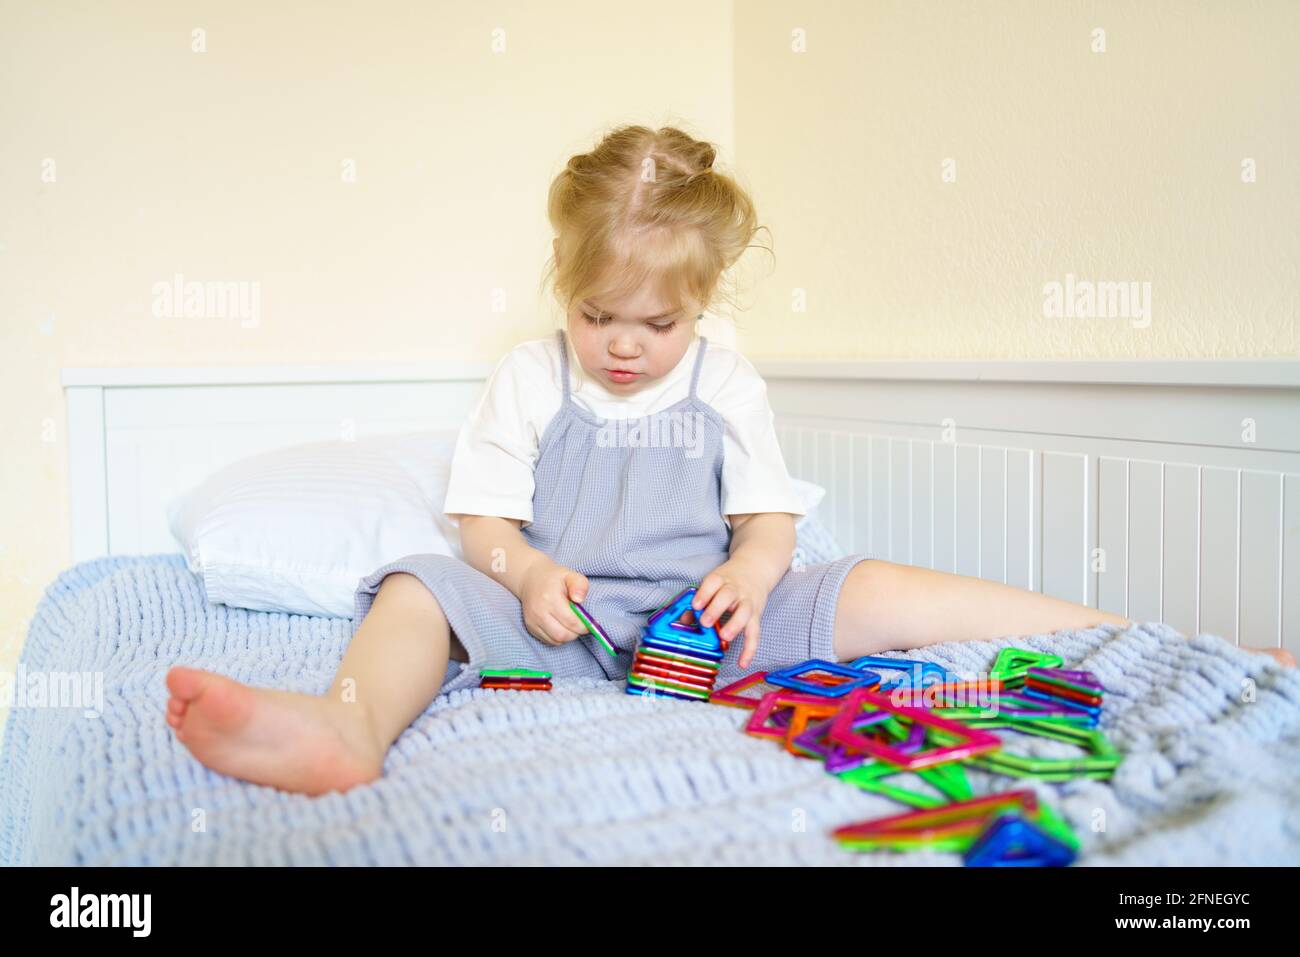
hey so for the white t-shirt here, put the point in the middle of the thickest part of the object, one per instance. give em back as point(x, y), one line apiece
point(497, 448)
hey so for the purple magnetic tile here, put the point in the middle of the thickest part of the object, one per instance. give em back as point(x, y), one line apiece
point(838, 758)
point(1085, 679)
point(842, 759)
point(915, 740)
point(1045, 710)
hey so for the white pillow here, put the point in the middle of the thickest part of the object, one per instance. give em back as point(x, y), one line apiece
point(295, 530)
point(809, 497)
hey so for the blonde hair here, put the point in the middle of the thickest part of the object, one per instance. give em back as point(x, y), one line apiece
point(647, 206)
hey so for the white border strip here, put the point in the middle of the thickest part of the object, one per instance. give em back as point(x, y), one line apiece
point(1243, 373)
point(348, 372)
point(1250, 373)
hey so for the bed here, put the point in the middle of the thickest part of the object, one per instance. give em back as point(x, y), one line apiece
point(1210, 734)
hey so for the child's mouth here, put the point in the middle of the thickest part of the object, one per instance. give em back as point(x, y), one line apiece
point(620, 376)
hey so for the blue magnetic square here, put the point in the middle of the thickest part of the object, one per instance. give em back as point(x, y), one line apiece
point(929, 670)
point(789, 678)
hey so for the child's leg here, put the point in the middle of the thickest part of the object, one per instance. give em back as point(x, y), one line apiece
point(884, 606)
point(888, 607)
point(397, 659)
point(313, 744)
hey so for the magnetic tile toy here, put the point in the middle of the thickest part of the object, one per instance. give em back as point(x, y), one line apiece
point(1099, 761)
point(921, 823)
point(514, 679)
point(731, 694)
point(794, 679)
point(960, 741)
point(594, 628)
point(1012, 841)
point(909, 674)
point(761, 723)
point(1012, 664)
point(675, 656)
point(660, 692)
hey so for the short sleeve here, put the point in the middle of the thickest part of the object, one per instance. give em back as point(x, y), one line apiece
point(496, 448)
point(754, 476)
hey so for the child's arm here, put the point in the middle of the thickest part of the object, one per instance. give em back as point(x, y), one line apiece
point(762, 547)
point(764, 540)
point(497, 548)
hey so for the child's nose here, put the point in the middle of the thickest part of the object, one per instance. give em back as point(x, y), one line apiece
point(624, 347)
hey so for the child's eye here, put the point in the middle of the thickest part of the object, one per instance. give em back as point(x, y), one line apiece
point(596, 320)
point(663, 328)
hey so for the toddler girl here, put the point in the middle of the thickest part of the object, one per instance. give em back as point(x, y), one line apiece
point(613, 463)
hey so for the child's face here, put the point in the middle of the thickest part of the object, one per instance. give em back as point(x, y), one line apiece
point(632, 334)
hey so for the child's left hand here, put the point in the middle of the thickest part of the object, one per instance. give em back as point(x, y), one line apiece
point(732, 587)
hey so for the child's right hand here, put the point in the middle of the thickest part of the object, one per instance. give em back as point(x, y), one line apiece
point(545, 595)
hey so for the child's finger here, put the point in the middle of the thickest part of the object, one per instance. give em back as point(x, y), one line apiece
point(575, 586)
point(730, 625)
point(559, 632)
point(538, 632)
point(569, 618)
point(704, 593)
point(751, 643)
point(722, 601)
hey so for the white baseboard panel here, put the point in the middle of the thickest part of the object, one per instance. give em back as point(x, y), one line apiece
point(1162, 501)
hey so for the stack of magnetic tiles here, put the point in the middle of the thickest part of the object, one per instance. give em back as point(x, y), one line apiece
point(673, 659)
point(1078, 693)
point(515, 679)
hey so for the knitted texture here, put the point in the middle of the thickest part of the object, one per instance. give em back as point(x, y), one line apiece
point(586, 773)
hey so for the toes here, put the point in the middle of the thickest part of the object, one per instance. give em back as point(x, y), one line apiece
point(1280, 655)
point(186, 683)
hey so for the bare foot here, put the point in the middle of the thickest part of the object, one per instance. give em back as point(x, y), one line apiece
point(1280, 655)
point(295, 742)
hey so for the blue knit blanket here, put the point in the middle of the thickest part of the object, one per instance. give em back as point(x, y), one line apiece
point(586, 773)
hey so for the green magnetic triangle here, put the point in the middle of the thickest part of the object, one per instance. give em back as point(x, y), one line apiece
point(1012, 663)
point(1052, 822)
point(948, 781)
point(1099, 760)
point(876, 785)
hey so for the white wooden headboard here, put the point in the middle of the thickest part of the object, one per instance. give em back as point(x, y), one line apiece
point(1162, 490)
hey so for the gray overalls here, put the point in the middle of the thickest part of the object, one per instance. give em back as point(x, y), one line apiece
point(642, 519)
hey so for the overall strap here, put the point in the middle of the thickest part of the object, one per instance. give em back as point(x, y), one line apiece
point(564, 364)
point(699, 361)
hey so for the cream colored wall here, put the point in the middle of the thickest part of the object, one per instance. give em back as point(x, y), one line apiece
point(228, 165)
point(1122, 165)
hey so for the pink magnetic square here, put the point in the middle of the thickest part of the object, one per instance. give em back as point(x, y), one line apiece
point(731, 696)
point(758, 724)
point(970, 741)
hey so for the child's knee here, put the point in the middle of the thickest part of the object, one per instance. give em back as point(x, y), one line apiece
point(411, 594)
